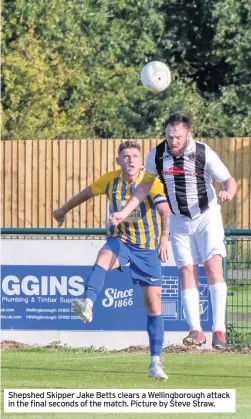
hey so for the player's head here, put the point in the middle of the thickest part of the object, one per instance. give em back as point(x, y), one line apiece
point(129, 157)
point(178, 132)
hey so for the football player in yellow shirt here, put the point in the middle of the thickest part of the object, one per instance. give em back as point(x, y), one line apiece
point(141, 240)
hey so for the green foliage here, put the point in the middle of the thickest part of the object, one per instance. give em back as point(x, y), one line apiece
point(233, 43)
point(237, 336)
point(71, 67)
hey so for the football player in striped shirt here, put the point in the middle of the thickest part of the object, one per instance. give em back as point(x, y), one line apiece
point(186, 169)
point(141, 239)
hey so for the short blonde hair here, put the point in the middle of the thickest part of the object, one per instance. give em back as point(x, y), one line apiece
point(128, 144)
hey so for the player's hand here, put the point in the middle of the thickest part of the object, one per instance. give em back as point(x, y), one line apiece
point(59, 216)
point(116, 218)
point(163, 249)
point(224, 196)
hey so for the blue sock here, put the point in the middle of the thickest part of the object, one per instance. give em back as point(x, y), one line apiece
point(155, 329)
point(95, 283)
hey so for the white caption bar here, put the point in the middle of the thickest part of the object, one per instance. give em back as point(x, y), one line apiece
point(119, 401)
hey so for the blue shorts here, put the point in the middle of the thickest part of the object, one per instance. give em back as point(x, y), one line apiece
point(145, 265)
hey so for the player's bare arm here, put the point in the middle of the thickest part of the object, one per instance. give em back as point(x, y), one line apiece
point(164, 212)
point(229, 191)
point(139, 195)
point(76, 200)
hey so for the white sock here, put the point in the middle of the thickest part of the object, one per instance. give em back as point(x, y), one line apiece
point(154, 359)
point(218, 296)
point(191, 305)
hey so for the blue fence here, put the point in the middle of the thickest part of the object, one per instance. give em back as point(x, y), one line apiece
point(39, 297)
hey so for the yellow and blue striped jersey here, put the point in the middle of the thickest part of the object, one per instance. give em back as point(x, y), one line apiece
point(142, 227)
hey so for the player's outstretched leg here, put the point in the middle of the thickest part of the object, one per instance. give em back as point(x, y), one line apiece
point(95, 283)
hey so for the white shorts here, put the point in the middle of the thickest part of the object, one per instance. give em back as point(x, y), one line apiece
point(195, 241)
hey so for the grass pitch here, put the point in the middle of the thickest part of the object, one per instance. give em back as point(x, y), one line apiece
point(47, 368)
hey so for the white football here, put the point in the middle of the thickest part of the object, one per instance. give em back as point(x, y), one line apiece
point(156, 76)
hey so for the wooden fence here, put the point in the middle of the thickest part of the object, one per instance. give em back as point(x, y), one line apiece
point(38, 176)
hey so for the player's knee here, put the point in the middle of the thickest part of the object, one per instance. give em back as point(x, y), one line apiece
point(153, 310)
point(106, 259)
point(213, 273)
point(188, 276)
point(152, 300)
point(187, 270)
point(213, 268)
point(153, 306)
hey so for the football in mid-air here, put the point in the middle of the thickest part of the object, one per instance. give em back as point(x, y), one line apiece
point(156, 76)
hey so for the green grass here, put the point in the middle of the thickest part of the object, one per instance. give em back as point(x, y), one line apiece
point(238, 253)
point(80, 370)
point(239, 310)
point(240, 301)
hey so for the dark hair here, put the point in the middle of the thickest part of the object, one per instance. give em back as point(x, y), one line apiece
point(128, 144)
point(178, 118)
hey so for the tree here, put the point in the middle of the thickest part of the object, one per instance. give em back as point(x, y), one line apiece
point(72, 68)
point(233, 44)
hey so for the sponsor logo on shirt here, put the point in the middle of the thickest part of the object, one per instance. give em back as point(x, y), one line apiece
point(176, 171)
point(191, 157)
point(164, 157)
point(135, 214)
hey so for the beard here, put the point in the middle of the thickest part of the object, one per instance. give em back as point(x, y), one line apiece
point(178, 152)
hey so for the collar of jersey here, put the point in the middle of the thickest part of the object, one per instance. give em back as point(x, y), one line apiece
point(139, 178)
point(191, 144)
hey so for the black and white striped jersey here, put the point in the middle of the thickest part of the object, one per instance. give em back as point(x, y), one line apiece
point(188, 179)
